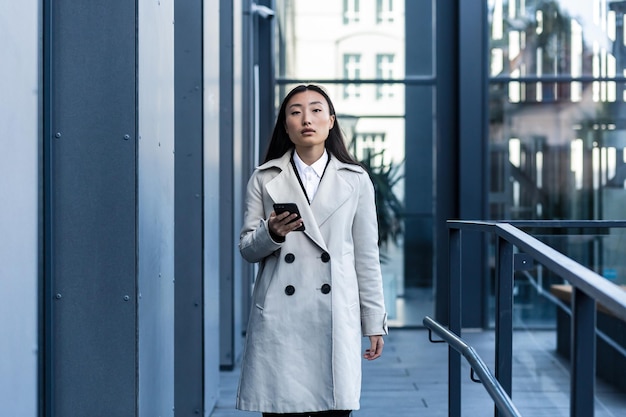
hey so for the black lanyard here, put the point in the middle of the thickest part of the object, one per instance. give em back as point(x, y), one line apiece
point(295, 170)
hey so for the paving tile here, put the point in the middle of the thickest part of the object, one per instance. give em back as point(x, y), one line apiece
point(411, 379)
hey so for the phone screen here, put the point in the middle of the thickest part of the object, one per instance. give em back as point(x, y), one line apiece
point(291, 208)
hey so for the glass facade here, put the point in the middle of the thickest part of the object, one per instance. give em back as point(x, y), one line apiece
point(555, 86)
point(557, 129)
point(362, 40)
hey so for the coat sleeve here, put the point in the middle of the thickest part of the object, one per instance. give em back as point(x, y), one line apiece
point(255, 242)
point(367, 262)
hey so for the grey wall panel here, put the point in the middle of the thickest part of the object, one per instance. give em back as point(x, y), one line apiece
point(91, 207)
point(265, 57)
point(241, 170)
point(189, 347)
point(230, 287)
point(19, 182)
point(473, 153)
point(212, 244)
point(446, 164)
point(419, 146)
point(247, 125)
point(419, 182)
point(155, 193)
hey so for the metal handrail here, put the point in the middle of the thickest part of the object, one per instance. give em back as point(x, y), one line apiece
point(501, 399)
point(581, 277)
point(588, 289)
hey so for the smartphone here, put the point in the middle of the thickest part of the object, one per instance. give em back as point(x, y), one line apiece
point(291, 208)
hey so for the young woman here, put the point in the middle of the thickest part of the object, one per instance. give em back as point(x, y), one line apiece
point(318, 291)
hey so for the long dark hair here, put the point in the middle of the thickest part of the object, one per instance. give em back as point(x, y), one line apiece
point(280, 142)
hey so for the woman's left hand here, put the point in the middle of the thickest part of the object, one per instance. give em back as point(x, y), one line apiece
point(376, 348)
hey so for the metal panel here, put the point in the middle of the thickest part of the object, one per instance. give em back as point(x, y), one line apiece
point(583, 325)
point(230, 197)
point(419, 147)
point(189, 370)
point(212, 244)
point(247, 128)
point(265, 57)
point(473, 191)
point(242, 168)
point(228, 284)
point(446, 148)
point(242, 271)
point(90, 207)
point(504, 314)
point(19, 210)
point(419, 180)
point(455, 252)
point(155, 193)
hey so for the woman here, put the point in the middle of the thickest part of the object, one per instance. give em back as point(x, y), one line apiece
point(318, 291)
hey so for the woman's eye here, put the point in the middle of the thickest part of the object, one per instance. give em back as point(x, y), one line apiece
point(316, 110)
point(295, 113)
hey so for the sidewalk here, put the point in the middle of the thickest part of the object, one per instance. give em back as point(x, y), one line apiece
point(412, 376)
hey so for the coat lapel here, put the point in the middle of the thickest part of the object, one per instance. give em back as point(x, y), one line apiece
point(285, 188)
point(332, 193)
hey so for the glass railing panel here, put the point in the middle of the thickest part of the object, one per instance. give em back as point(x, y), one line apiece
point(600, 250)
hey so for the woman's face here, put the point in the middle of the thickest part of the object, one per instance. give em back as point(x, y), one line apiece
point(308, 120)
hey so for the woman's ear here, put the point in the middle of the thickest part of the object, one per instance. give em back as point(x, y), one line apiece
point(332, 122)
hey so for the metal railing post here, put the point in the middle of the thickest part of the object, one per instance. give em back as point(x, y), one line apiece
point(583, 354)
point(454, 325)
point(589, 289)
point(504, 315)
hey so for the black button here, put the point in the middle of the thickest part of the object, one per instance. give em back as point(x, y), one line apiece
point(290, 289)
point(325, 257)
point(325, 289)
point(290, 257)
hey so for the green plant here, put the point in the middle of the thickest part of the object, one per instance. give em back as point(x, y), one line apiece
point(389, 208)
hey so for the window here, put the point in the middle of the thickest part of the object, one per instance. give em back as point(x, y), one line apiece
point(384, 70)
point(370, 147)
point(384, 11)
point(351, 11)
point(352, 71)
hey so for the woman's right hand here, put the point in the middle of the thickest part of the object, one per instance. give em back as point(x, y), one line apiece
point(283, 223)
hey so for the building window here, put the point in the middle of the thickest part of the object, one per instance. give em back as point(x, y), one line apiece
point(352, 71)
point(351, 10)
point(384, 70)
point(370, 147)
point(384, 11)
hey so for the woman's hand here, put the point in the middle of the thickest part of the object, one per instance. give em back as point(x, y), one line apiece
point(376, 348)
point(280, 225)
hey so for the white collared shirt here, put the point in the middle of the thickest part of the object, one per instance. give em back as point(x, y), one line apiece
point(311, 175)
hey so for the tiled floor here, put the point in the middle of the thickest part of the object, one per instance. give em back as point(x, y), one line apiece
point(411, 380)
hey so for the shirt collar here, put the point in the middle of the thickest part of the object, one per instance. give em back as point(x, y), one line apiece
point(318, 166)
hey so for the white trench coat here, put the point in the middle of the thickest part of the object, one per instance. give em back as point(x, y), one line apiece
point(316, 294)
